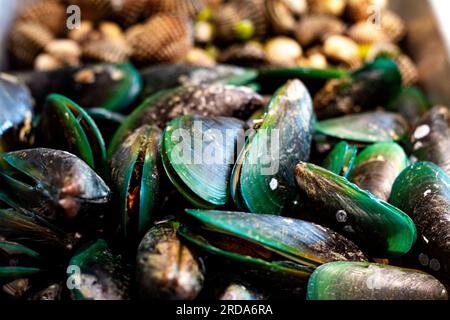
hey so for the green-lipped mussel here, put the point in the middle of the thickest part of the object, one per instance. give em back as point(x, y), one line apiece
point(135, 178)
point(165, 267)
point(341, 158)
point(198, 154)
point(66, 126)
point(268, 246)
point(96, 273)
point(377, 226)
point(374, 85)
point(262, 179)
point(430, 139)
point(423, 191)
point(370, 281)
point(377, 166)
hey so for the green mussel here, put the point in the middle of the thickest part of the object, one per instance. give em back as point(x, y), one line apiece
point(341, 159)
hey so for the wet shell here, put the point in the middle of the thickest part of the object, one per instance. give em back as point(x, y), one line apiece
point(393, 26)
point(367, 33)
point(94, 9)
point(408, 69)
point(48, 13)
point(284, 15)
point(317, 27)
point(182, 7)
point(333, 7)
point(106, 51)
point(28, 40)
point(163, 38)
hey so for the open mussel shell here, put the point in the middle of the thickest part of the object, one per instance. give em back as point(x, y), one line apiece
point(205, 99)
point(168, 76)
point(341, 159)
point(430, 139)
point(375, 84)
point(380, 228)
point(367, 127)
point(263, 180)
point(16, 112)
point(271, 78)
point(135, 178)
point(96, 273)
point(165, 267)
point(411, 103)
point(423, 191)
point(370, 281)
point(377, 167)
point(54, 184)
point(66, 126)
point(198, 154)
point(109, 86)
point(268, 246)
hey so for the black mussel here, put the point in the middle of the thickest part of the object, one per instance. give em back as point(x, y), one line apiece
point(267, 246)
point(16, 112)
point(377, 226)
point(53, 292)
point(168, 76)
point(377, 166)
point(135, 179)
point(369, 281)
point(374, 85)
point(411, 103)
point(262, 178)
point(165, 267)
point(66, 126)
point(108, 86)
point(430, 139)
point(54, 184)
point(205, 100)
point(423, 191)
point(198, 154)
point(368, 127)
point(96, 273)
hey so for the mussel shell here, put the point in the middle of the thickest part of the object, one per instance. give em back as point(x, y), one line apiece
point(206, 100)
point(293, 248)
point(168, 76)
point(430, 139)
point(369, 281)
point(109, 86)
point(16, 110)
point(202, 178)
point(107, 121)
point(377, 167)
point(411, 103)
point(341, 159)
point(165, 267)
point(375, 84)
point(380, 228)
point(97, 274)
point(18, 261)
point(135, 178)
point(263, 176)
point(368, 127)
point(423, 191)
point(53, 183)
point(66, 126)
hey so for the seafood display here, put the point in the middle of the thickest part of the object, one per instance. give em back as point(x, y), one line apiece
point(229, 150)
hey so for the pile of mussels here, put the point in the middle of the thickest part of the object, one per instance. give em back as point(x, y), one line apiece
point(179, 181)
